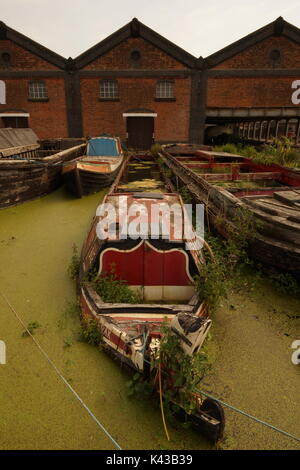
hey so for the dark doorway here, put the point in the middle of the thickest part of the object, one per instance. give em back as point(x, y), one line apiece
point(15, 121)
point(140, 132)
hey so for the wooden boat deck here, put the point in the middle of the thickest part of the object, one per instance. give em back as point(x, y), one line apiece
point(272, 193)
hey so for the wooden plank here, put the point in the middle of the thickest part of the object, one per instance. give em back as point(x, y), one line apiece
point(260, 205)
point(18, 150)
point(279, 204)
point(289, 197)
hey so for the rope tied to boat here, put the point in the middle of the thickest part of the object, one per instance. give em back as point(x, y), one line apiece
point(161, 402)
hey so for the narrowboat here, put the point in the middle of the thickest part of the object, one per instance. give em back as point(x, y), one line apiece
point(96, 168)
point(29, 171)
point(160, 269)
point(227, 182)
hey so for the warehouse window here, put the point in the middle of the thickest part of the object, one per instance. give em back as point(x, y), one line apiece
point(37, 90)
point(165, 89)
point(109, 89)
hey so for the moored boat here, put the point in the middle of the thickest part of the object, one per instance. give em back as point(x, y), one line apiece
point(29, 171)
point(226, 183)
point(159, 270)
point(96, 168)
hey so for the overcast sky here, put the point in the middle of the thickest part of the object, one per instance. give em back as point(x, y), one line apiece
point(201, 27)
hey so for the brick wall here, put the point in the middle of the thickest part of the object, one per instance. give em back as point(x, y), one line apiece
point(249, 91)
point(21, 59)
point(172, 122)
point(258, 56)
point(47, 119)
point(263, 91)
point(118, 58)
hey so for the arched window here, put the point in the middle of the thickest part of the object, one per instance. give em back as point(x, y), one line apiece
point(281, 128)
point(264, 130)
point(272, 131)
point(246, 127)
point(37, 90)
point(165, 89)
point(256, 130)
point(2, 92)
point(250, 130)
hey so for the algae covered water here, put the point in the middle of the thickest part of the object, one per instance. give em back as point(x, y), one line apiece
point(251, 344)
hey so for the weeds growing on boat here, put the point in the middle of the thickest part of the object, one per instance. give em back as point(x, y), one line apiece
point(187, 371)
point(220, 272)
point(155, 149)
point(31, 327)
point(186, 195)
point(90, 332)
point(279, 151)
point(111, 289)
point(138, 386)
point(114, 290)
point(228, 148)
point(73, 268)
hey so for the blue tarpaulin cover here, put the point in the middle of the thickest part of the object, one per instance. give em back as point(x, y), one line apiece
point(102, 146)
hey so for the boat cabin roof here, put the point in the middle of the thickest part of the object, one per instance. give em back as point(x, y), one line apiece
point(149, 208)
point(103, 146)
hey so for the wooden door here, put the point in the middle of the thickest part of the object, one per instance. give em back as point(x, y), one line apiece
point(140, 132)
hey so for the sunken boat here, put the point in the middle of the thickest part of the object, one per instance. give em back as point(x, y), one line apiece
point(96, 168)
point(160, 270)
point(31, 171)
point(226, 182)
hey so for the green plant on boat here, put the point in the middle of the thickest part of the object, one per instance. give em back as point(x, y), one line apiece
point(280, 151)
point(186, 195)
point(73, 268)
point(90, 332)
point(31, 327)
point(221, 271)
point(241, 231)
point(111, 289)
point(155, 149)
point(185, 371)
point(228, 148)
point(138, 386)
point(168, 173)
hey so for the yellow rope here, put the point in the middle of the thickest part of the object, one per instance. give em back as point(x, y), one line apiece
point(161, 403)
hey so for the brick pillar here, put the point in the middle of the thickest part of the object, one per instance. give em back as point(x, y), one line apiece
point(198, 107)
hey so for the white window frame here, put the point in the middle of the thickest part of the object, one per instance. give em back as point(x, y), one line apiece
point(2, 92)
point(37, 90)
point(109, 89)
point(165, 89)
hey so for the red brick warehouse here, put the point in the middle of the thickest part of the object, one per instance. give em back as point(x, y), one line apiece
point(140, 86)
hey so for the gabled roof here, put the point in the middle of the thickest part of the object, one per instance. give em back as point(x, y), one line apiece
point(136, 29)
point(35, 48)
point(279, 27)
